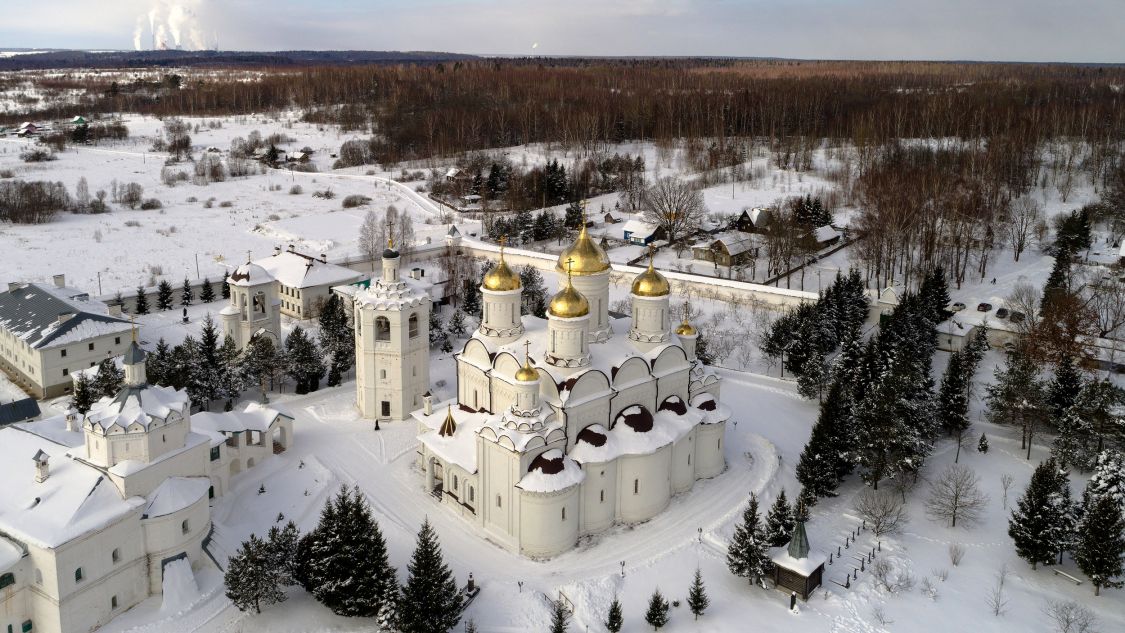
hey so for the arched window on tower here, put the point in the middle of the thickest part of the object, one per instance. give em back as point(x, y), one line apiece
point(382, 329)
point(413, 325)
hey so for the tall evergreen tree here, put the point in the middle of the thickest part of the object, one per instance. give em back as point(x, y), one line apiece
point(457, 324)
point(560, 618)
point(224, 287)
point(697, 599)
point(346, 558)
point(1016, 397)
point(533, 298)
point(1108, 479)
point(657, 613)
point(282, 543)
point(84, 396)
point(108, 380)
point(1063, 388)
point(337, 339)
point(206, 291)
point(470, 297)
point(252, 578)
point(614, 619)
point(934, 294)
point(1101, 543)
point(305, 365)
point(825, 457)
point(746, 555)
point(431, 602)
point(187, 294)
point(1041, 521)
point(779, 521)
point(141, 304)
point(164, 295)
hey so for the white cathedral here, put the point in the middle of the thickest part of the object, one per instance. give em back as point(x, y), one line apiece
point(561, 427)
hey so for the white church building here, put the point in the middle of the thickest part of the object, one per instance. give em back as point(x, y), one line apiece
point(565, 426)
point(97, 507)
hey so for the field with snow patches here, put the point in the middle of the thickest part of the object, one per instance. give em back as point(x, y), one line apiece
point(333, 447)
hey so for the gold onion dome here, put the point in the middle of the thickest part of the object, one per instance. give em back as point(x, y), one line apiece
point(527, 373)
point(686, 329)
point(588, 257)
point(568, 303)
point(651, 283)
point(501, 277)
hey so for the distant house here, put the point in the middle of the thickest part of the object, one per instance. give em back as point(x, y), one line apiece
point(732, 248)
point(78, 120)
point(303, 281)
point(27, 129)
point(18, 411)
point(826, 236)
point(609, 219)
point(641, 233)
point(456, 174)
point(299, 157)
point(752, 220)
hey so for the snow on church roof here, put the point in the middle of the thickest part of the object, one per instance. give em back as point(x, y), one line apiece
point(297, 270)
point(459, 448)
point(551, 471)
point(74, 500)
point(10, 554)
point(175, 494)
point(254, 417)
point(667, 427)
point(139, 405)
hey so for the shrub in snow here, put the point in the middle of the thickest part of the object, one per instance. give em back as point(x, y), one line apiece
point(355, 200)
point(37, 155)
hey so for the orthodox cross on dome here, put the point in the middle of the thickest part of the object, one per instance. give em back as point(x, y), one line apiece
point(583, 205)
point(247, 257)
point(133, 326)
point(502, 241)
point(569, 266)
point(527, 351)
point(390, 234)
point(651, 254)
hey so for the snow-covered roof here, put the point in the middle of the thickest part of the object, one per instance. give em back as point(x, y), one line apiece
point(74, 500)
point(624, 439)
point(405, 293)
point(175, 494)
point(54, 430)
point(639, 228)
point(138, 405)
point(45, 316)
point(254, 417)
point(250, 274)
point(10, 554)
point(459, 448)
point(297, 270)
point(735, 242)
point(825, 234)
point(551, 471)
point(132, 466)
point(803, 566)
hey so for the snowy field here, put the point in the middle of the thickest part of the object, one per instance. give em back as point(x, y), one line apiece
point(333, 447)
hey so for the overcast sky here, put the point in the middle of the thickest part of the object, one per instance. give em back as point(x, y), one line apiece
point(1006, 30)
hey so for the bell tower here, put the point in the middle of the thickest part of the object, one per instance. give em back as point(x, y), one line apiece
point(254, 306)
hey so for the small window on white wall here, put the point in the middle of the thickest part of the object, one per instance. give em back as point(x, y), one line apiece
point(564, 514)
point(499, 504)
point(636, 486)
point(185, 527)
point(116, 555)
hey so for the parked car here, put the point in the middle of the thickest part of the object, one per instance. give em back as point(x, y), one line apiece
point(1002, 313)
point(1017, 317)
point(957, 307)
point(984, 307)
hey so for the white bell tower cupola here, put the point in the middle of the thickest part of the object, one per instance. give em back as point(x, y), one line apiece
point(254, 305)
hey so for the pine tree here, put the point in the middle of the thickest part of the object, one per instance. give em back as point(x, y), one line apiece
point(1108, 479)
point(186, 293)
point(702, 350)
point(282, 544)
point(470, 297)
point(457, 324)
point(1041, 521)
point(533, 298)
point(1101, 543)
point(825, 457)
point(431, 602)
point(225, 286)
point(697, 595)
point(388, 619)
point(982, 445)
point(779, 521)
point(206, 291)
point(345, 564)
point(1063, 389)
point(614, 619)
point(337, 339)
point(470, 626)
point(305, 365)
point(252, 578)
point(573, 219)
point(1016, 396)
point(814, 375)
point(84, 396)
point(108, 380)
point(746, 555)
point(164, 295)
point(657, 614)
point(559, 616)
point(141, 302)
point(935, 295)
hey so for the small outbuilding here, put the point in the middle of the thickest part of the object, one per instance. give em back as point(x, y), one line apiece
point(795, 567)
point(641, 233)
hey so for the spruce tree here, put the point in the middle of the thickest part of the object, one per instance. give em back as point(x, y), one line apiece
point(431, 602)
point(1041, 520)
point(470, 626)
point(84, 396)
point(164, 295)
point(141, 304)
point(305, 365)
point(1063, 389)
point(559, 616)
point(1101, 543)
point(614, 619)
point(703, 351)
point(346, 566)
point(697, 595)
point(457, 324)
point(814, 375)
point(388, 619)
point(982, 445)
point(187, 295)
point(746, 555)
point(437, 329)
point(779, 521)
point(252, 578)
point(470, 297)
point(1108, 479)
point(108, 380)
point(825, 454)
point(224, 288)
point(533, 298)
point(657, 614)
point(282, 543)
point(1017, 396)
point(206, 291)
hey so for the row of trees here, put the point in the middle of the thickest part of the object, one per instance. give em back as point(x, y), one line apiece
point(165, 295)
point(1046, 523)
point(343, 563)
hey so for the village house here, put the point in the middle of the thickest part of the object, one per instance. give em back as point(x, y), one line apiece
point(640, 233)
point(752, 220)
point(732, 248)
point(48, 331)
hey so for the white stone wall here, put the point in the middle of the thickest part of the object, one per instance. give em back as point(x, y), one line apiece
point(549, 522)
point(599, 496)
point(165, 538)
point(645, 485)
point(709, 440)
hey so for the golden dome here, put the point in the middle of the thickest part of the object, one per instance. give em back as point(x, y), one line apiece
point(568, 303)
point(586, 256)
point(527, 373)
point(501, 277)
point(651, 283)
point(686, 329)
